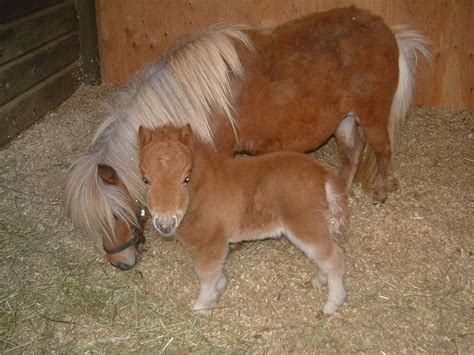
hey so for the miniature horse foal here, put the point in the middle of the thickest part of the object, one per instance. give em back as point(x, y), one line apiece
point(217, 200)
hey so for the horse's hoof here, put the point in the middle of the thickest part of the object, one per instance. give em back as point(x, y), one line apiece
point(235, 247)
point(350, 192)
point(393, 185)
point(380, 197)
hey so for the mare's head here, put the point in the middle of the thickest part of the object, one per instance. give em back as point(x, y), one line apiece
point(166, 161)
point(125, 244)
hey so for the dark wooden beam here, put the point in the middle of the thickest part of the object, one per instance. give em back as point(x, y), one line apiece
point(20, 36)
point(89, 41)
point(21, 74)
point(27, 108)
point(11, 10)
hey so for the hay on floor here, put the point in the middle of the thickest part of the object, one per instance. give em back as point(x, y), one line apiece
point(409, 262)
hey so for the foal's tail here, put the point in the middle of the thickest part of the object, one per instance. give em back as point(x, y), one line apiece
point(411, 43)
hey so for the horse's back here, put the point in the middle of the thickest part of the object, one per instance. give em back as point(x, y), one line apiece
point(307, 74)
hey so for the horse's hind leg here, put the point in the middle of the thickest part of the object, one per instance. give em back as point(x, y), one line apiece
point(317, 244)
point(378, 138)
point(350, 148)
point(209, 264)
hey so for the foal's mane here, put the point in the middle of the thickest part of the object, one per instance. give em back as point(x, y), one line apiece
point(186, 86)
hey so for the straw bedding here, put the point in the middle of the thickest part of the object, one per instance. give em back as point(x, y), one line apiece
point(409, 262)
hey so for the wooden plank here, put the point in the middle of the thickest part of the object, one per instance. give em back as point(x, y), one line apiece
point(89, 42)
point(135, 33)
point(14, 9)
point(27, 108)
point(21, 36)
point(23, 73)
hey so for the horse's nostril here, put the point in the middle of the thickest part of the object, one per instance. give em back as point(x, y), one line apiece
point(173, 223)
point(156, 223)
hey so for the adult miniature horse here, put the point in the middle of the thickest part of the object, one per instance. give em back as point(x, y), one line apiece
point(212, 200)
point(255, 91)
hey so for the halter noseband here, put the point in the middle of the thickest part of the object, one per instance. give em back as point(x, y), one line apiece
point(137, 237)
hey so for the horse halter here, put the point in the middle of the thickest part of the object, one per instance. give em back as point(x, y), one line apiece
point(137, 237)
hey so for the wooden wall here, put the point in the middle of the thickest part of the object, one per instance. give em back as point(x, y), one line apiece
point(40, 63)
point(135, 33)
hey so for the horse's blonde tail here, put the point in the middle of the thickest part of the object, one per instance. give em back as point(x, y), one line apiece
point(411, 43)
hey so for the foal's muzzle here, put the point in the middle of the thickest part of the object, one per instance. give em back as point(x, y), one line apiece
point(165, 225)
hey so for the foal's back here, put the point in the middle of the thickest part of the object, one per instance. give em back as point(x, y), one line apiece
point(259, 197)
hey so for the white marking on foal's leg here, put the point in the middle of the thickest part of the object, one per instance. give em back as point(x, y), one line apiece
point(331, 271)
point(334, 267)
point(221, 283)
point(320, 280)
point(209, 292)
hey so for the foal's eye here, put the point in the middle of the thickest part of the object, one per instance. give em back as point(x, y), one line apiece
point(145, 180)
point(186, 180)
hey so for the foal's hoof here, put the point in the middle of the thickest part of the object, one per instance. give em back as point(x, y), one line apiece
point(201, 309)
point(330, 309)
point(202, 312)
point(332, 306)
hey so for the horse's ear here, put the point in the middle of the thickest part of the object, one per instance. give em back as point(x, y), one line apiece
point(108, 174)
point(186, 134)
point(144, 135)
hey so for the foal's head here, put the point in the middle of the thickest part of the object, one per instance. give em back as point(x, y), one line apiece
point(166, 161)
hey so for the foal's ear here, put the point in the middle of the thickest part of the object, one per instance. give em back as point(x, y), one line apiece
point(144, 135)
point(186, 134)
point(108, 174)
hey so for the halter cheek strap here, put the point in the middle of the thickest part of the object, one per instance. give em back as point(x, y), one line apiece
point(136, 239)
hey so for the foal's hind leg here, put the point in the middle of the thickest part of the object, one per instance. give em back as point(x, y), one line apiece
point(209, 264)
point(328, 257)
point(331, 272)
point(350, 149)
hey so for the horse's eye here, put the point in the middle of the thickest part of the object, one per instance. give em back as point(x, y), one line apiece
point(115, 216)
point(145, 180)
point(186, 180)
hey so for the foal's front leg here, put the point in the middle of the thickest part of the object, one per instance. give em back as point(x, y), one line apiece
point(209, 265)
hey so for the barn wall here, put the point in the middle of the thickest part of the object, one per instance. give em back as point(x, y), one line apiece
point(40, 64)
point(135, 33)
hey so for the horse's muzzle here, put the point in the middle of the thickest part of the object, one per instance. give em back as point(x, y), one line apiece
point(166, 226)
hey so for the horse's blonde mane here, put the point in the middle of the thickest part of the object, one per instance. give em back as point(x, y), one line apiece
point(186, 86)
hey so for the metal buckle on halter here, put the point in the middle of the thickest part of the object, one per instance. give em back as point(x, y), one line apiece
point(137, 238)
